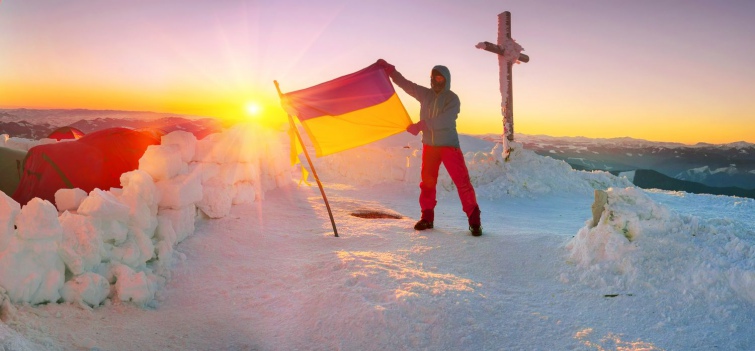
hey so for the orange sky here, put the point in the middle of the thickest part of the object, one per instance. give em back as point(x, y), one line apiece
point(665, 71)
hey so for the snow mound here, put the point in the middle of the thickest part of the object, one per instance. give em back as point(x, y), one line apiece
point(118, 243)
point(640, 246)
point(31, 270)
point(524, 174)
point(527, 174)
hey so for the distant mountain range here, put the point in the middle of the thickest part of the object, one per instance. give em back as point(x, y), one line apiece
point(727, 169)
point(650, 179)
point(38, 124)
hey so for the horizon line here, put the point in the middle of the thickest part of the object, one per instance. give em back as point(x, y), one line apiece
point(465, 133)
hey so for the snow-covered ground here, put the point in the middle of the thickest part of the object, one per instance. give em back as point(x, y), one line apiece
point(660, 270)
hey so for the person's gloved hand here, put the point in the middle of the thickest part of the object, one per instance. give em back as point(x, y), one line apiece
point(389, 68)
point(416, 127)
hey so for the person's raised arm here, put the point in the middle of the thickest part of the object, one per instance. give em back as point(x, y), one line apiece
point(414, 90)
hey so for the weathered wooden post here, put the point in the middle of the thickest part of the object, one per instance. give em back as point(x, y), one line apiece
point(508, 52)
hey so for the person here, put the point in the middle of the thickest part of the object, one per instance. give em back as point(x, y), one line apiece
point(439, 109)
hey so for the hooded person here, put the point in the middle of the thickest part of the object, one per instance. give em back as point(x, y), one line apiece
point(439, 109)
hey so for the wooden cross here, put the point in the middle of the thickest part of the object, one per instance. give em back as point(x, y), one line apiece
point(507, 96)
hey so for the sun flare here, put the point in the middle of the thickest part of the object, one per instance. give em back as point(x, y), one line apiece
point(253, 108)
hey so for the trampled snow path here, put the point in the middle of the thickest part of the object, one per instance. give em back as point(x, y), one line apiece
point(271, 277)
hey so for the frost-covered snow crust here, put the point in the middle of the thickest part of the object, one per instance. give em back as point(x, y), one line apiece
point(117, 244)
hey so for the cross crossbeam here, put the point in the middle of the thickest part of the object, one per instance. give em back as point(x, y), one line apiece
point(488, 46)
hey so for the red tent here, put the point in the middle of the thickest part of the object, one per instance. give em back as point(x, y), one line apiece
point(96, 160)
point(66, 133)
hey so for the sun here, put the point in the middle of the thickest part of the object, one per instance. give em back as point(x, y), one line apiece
point(253, 109)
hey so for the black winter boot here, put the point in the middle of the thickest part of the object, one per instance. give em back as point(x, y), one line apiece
point(426, 222)
point(423, 224)
point(475, 225)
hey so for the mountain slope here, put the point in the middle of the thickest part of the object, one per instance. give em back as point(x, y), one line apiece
point(650, 179)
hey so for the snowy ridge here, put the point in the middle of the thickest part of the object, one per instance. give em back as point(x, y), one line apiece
point(64, 117)
point(582, 142)
point(701, 173)
point(740, 145)
point(625, 142)
point(118, 243)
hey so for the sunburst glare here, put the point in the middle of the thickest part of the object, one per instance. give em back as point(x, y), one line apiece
point(253, 109)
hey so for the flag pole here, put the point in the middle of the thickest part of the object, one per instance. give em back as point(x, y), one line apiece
point(311, 166)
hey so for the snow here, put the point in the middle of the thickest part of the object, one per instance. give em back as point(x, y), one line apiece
point(629, 175)
point(701, 173)
point(160, 161)
point(69, 199)
point(186, 142)
point(31, 270)
point(9, 209)
point(253, 264)
point(22, 144)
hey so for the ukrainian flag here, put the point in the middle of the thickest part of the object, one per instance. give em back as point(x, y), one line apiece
point(349, 111)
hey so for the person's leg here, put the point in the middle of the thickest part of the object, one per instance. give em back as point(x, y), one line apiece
point(454, 162)
point(431, 159)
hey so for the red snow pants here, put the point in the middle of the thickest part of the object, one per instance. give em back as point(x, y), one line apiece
point(453, 160)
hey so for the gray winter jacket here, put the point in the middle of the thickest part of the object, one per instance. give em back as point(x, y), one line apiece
point(439, 111)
